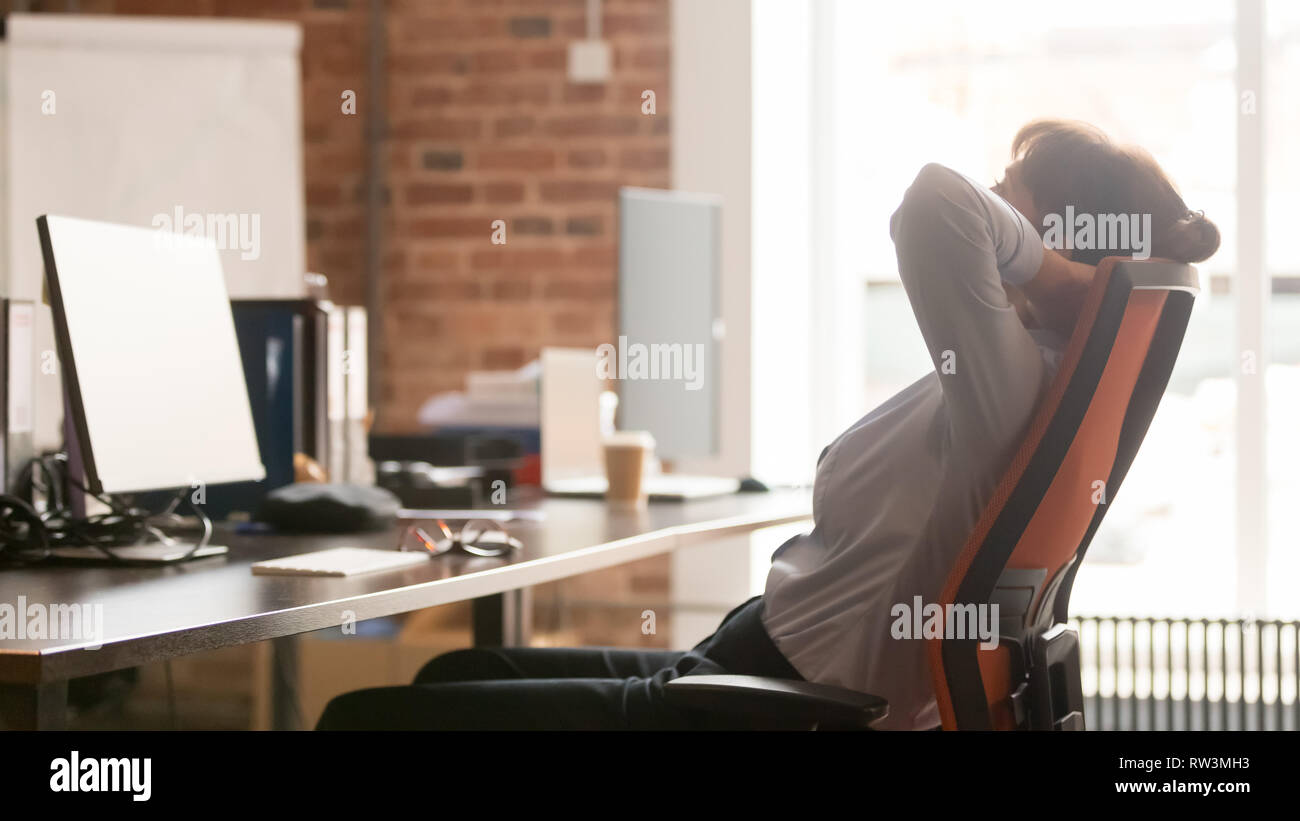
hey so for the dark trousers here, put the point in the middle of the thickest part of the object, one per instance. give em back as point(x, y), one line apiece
point(541, 688)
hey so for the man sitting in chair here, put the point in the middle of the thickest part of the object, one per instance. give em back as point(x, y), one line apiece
point(996, 278)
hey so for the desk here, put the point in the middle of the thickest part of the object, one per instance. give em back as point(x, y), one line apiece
point(158, 613)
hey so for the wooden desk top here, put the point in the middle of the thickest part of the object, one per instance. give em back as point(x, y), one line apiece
point(155, 613)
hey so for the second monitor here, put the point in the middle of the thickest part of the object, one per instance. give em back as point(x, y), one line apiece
point(669, 316)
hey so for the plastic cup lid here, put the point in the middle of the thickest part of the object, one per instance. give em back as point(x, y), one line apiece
point(630, 439)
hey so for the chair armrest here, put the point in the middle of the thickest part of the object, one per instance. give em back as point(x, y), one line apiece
point(777, 702)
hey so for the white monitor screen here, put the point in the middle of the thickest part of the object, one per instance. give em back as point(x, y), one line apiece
point(669, 311)
point(152, 366)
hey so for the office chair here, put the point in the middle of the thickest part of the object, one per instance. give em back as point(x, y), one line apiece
point(1030, 539)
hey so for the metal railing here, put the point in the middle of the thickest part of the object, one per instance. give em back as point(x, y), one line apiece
point(1189, 674)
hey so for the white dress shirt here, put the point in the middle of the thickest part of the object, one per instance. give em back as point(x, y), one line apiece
point(898, 493)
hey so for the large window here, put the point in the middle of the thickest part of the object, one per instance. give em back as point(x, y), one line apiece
point(1280, 110)
point(952, 82)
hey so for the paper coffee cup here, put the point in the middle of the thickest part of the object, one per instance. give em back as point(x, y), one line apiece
point(626, 454)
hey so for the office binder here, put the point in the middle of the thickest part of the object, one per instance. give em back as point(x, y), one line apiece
point(283, 345)
point(358, 468)
point(336, 392)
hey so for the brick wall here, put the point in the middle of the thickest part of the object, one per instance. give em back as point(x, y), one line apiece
point(482, 125)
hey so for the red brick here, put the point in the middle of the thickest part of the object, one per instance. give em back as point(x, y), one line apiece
point(480, 94)
point(575, 322)
point(586, 158)
point(651, 58)
point(584, 226)
point(507, 127)
point(432, 96)
point(578, 290)
point(502, 256)
point(451, 227)
point(517, 159)
point(430, 193)
point(489, 62)
point(438, 129)
point(411, 291)
point(599, 257)
point(503, 357)
point(556, 58)
point(503, 192)
point(512, 290)
point(579, 190)
point(643, 159)
point(613, 25)
point(532, 226)
point(593, 126)
point(448, 27)
point(437, 259)
point(323, 193)
point(437, 63)
point(583, 93)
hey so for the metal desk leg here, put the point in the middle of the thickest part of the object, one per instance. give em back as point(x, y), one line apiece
point(34, 706)
point(284, 684)
point(504, 619)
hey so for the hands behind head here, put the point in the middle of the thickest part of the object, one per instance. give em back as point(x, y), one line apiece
point(1055, 295)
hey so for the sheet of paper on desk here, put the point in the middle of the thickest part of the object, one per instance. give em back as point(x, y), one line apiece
point(339, 561)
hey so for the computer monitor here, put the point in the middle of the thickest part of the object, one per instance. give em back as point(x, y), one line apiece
point(669, 304)
point(151, 368)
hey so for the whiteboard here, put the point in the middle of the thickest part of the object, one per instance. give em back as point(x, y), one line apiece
point(151, 341)
point(148, 116)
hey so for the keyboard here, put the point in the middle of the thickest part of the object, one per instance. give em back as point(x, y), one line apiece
point(340, 561)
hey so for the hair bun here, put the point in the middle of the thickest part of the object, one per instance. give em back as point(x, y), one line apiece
point(1193, 238)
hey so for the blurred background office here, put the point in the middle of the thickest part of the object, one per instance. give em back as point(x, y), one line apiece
point(807, 121)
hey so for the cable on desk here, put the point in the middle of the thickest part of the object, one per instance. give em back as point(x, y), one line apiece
point(28, 535)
